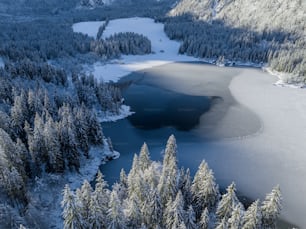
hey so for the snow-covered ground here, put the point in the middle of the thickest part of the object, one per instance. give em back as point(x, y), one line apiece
point(91, 30)
point(124, 111)
point(45, 206)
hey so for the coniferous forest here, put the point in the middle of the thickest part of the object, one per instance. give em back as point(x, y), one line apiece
point(162, 195)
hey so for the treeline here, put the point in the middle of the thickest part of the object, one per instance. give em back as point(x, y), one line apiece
point(93, 3)
point(283, 51)
point(155, 195)
point(39, 41)
point(122, 43)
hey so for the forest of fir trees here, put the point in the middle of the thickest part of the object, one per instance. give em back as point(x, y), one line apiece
point(162, 195)
point(283, 52)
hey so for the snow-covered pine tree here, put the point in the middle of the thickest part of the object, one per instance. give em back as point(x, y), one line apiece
point(152, 210)
point(252, 217)
point(55, 156)
point(132, 174)
point(190, 219)
point(83, 200)
point(19, 113)
point(99, 203)
point(115, 214)
point(185, 186)
point(204, 189)
point(36, 144)
point(82, 129)
point(271, 208)
point(67, 137)
point(227, 203)
point(132, 212)
point(222, 224)
point(168, 184)
point(144, 158)
point(174, 214)
point(123, 179)
point(204, 220)
point(234, 222)
point(71, 213)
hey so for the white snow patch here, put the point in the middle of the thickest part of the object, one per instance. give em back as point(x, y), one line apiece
point(124, 111)
point(285, 79)
point(46, 195)
point(88, 29)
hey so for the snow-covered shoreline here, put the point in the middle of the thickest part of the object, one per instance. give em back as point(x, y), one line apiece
point(164, 51)
point(41, 200)
point(124, 111)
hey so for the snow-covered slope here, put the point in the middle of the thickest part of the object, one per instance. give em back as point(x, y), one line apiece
point(280, 15)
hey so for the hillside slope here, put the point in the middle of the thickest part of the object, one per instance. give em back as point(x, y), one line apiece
point(289, 16)
point(258, 31)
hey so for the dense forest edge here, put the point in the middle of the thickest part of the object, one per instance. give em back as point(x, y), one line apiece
point(162, 195)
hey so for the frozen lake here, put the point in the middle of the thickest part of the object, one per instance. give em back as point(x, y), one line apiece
point(248, 130)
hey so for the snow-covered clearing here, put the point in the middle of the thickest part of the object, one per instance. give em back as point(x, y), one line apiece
point(164, 50)
point(46, 197)
point(91, 30)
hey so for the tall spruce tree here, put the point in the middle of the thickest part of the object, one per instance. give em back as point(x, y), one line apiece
point(204, 189)
point(227, 203)
point(115, 214)
point(252, 217)
point(271, 208)
point(71, 213)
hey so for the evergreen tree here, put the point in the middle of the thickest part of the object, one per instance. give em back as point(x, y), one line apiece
point(190, 221)
point(123, 179)
point(132, 174)
point(169, 179)
point(222, 224)
point(133, 213)
point(174, 213)
point(152, 210)
point(234, 222)
point(99, 203)
point(227, 203)
point(36, 144)
point(19, 114)
point(67, 137)
point(185, 186)
point(252, 217)
point(271, 207)
point(204, 189)
point(116, 219)
point(83, 199)
point(204, 220)
point(55, 156)
point(71, 214)
point(144, 158)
